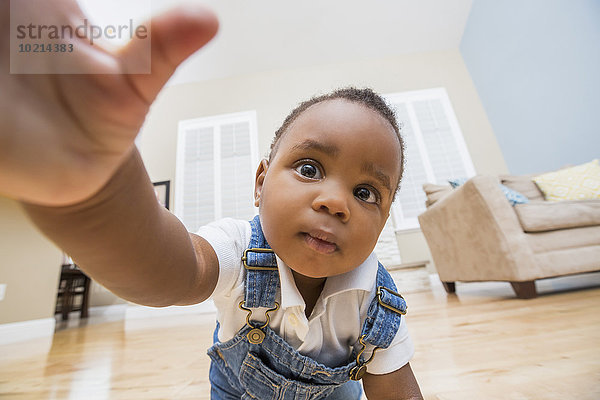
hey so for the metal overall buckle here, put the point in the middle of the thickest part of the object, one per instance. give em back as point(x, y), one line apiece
point(380, 289)
point(256, 335)
point(359, 370)
point(256, 267)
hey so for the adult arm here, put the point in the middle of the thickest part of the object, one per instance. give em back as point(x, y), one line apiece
point(126, 241)
point(67, 153)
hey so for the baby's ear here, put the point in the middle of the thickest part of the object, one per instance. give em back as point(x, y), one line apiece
point(261, 172)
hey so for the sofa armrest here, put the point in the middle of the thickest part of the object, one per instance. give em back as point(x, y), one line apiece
point(475, 235)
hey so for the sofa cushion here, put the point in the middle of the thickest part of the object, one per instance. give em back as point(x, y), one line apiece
point(523, 184)
point(581, 182)
point(574, 238)
point(541, 216)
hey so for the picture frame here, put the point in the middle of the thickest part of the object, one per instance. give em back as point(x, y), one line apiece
point(162, 190)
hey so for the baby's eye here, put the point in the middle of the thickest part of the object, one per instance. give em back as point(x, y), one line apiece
point(309, 171)
point(366, 195)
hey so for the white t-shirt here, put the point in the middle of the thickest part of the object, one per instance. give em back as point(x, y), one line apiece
point(336, 320)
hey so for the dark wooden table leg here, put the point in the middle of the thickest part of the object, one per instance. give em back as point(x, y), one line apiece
point(85, 298)
point(525, 290)
point(67, 299)
point(449, 286)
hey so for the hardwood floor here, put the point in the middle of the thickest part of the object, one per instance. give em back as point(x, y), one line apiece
point(481, 343)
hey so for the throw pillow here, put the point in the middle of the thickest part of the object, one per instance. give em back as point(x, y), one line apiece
point(581, 182)
point(457, 182)
point(512, 196)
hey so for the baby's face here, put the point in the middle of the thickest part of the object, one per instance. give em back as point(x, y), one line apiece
point(327, 192)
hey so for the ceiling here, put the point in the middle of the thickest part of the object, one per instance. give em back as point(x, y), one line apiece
point(261, 35)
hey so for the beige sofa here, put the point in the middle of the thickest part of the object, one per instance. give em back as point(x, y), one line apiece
point(475, 234)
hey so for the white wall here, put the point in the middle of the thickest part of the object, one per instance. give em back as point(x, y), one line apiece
point(273, 94)
point(30, 264)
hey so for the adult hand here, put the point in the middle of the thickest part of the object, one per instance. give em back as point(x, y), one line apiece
point(63, 136)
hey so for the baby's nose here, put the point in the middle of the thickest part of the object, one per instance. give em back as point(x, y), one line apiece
point(334, 202)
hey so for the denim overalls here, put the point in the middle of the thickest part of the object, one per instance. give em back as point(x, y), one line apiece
point(258, 364)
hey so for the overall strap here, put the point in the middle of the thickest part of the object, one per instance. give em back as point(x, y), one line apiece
point(383, 320)
point(385, 312)
point(262, 276)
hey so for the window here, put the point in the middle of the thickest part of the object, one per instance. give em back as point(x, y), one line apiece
point(216, 161)
point(435, 149)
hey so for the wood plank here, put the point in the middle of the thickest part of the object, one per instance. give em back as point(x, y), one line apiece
point(481, 343)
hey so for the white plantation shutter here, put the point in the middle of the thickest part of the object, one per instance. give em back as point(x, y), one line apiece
point(216, 160)
point(435, 149)
point(237, 172)
point(197, 200)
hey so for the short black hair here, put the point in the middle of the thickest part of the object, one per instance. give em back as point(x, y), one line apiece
point(365, 96)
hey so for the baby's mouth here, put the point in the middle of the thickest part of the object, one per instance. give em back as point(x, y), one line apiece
point(319, 242)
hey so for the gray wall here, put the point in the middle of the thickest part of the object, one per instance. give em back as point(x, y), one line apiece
point(536, 67)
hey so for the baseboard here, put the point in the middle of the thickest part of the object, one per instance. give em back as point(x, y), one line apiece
point(415, 264)
point(111, 310)
point(26, 330)
point(140, 312)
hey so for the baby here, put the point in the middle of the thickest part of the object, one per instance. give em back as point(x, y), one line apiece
point(304, 308)
point(324, 196)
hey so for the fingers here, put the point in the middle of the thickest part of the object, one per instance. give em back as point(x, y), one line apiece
point(175, 35)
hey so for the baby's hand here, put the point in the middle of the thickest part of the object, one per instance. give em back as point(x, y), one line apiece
point(63, 136)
